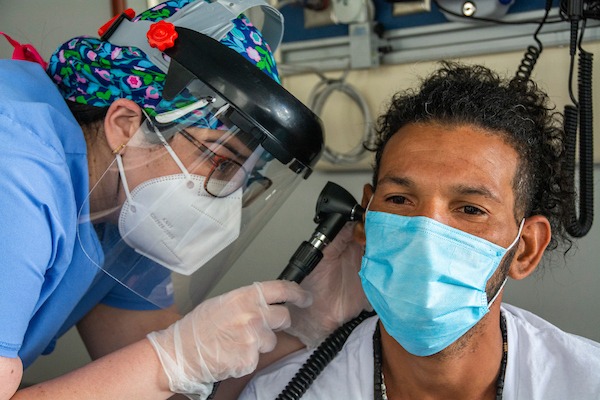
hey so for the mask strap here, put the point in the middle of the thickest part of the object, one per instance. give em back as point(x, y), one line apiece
point(168, 147)
point(507, 250)
point(123, 177)
point(518, 235)
point(369, 203)
point(497, 293)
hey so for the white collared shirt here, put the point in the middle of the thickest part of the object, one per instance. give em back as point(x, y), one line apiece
point(544, 363)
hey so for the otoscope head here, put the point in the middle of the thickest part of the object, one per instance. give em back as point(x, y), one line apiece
point(334, 199)
point(335, 207)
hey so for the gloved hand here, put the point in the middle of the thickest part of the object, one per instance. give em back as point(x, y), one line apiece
point(336, 288)
point(223, 336)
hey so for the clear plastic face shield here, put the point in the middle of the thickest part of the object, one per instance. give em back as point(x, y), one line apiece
point(187, 193)
point(200, 178)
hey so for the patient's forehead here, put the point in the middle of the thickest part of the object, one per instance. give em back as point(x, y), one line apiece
point(455, 152)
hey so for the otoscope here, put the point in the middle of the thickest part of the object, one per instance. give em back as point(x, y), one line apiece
point(335, 207)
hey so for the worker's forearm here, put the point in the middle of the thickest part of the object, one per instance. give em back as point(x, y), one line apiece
point(133, 372)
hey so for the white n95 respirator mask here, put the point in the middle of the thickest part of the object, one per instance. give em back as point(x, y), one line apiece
point(185, 228)
point(175, 222)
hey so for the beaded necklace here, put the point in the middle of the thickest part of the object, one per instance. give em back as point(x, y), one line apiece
point(380, 391)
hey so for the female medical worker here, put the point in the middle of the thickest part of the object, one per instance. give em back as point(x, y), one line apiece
point(189, 146)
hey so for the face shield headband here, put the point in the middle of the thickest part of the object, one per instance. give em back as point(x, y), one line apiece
point(213, 19)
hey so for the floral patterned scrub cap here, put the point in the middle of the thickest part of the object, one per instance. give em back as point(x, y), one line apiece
point(94, 72)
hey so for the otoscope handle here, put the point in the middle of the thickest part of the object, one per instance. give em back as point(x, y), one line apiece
point(304, 260)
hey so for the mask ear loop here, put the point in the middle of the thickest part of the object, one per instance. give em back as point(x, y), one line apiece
point(124, 179)
point(169, 149)
point(171, 153)
point(507, 250)
point(369, 203)
point(497, 293)
point(364, 222)
point(518, 235)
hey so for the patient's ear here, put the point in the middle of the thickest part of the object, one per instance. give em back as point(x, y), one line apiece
point(359, 228)
point(121, 122)
point(535, 237)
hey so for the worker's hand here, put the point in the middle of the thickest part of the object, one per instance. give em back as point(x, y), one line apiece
point(337, 291)
point(223, 336)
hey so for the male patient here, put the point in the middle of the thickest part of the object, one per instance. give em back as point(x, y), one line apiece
point(468, 190)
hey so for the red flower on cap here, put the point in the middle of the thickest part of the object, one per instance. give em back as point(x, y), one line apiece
point(162, 35)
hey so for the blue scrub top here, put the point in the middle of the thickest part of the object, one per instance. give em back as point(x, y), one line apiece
point(47, 283)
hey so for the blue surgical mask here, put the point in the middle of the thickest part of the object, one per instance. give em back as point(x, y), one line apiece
point(426, 280)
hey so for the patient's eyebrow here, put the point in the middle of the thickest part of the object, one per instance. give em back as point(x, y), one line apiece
point(396, 180)
point(477, 190)
point(460, 189)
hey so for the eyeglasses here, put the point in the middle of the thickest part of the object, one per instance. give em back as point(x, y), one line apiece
point(227, 175)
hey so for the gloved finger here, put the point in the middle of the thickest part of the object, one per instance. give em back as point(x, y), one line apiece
point(277, 317)
point(281, 291)
point(342, 239)
point(267, 343)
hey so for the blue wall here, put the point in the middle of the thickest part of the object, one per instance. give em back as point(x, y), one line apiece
point(295, 31)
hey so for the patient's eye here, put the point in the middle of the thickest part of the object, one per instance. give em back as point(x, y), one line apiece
point(397, 199)
point(473, 210)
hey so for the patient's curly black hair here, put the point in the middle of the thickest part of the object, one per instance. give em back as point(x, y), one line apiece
point(515, 109)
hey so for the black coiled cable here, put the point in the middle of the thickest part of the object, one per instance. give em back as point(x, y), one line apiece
point(528, 61)
point(533, 52)
point(319, 359)
point(583, 112)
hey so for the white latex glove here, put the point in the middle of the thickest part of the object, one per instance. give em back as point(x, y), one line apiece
point(336, 288)
point(223, 336)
